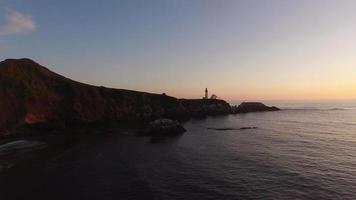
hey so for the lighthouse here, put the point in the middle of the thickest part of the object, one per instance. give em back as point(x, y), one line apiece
point(206, 93)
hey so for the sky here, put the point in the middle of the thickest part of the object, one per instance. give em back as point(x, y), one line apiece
point(239, 50)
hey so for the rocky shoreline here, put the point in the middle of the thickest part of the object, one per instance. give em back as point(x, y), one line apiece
point(35, 98)
point(43, 113)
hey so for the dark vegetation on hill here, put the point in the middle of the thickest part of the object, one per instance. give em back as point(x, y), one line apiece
point(32, 95)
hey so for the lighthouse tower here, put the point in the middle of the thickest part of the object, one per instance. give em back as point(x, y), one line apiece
point(206, 93)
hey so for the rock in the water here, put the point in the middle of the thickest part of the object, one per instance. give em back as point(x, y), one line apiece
point(163, 127)
point(246, 107)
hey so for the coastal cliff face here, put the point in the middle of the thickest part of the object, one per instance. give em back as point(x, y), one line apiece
point(32, 94)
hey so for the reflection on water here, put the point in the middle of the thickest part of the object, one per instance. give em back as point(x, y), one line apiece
point(292, 154)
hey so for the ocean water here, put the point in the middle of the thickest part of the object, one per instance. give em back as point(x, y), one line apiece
point(305, 151)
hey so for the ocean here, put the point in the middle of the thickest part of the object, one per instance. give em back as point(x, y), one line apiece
point(305, 151)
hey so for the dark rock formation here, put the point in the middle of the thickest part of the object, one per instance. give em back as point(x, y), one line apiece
point(204, 107)
point(162, 127)
point(246, 107)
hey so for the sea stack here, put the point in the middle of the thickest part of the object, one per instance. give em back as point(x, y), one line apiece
point(247, 107)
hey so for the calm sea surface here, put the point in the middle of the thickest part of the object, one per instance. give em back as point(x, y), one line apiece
point(305, 151)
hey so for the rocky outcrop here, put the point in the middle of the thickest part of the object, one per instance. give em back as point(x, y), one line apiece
point(204, 107)
point(247, 107)
point(162, 127)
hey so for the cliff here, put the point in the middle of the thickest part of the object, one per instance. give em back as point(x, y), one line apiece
point(32, 94)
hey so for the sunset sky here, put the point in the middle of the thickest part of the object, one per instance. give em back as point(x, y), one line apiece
point(240, 50)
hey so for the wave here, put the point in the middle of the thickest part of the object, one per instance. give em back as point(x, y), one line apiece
point(349, 123)
point(229, 129)
point(338, 109)
point(314, 109)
